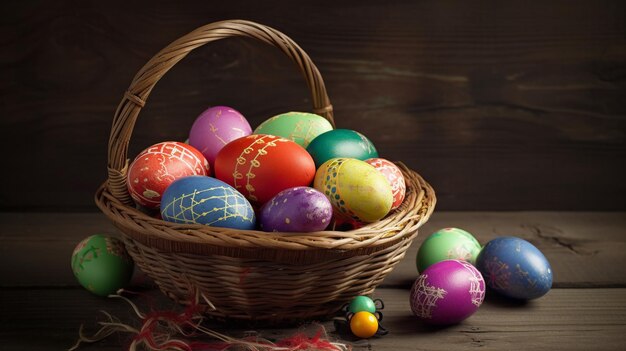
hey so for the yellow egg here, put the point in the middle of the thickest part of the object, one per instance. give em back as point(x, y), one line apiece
point(355, 189)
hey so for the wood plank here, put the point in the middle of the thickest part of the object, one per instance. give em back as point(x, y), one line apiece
point(37, 248)
point(499, 105)
point(572, 319)
point(565, 319)
point(586, 249)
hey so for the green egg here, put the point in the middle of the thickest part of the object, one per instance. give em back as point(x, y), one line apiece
point(344, 143)
point(446, 244)
point(101, 264)
point(300, 127)
point(362, 303)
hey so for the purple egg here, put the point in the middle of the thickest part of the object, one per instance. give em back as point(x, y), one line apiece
point(298, 209)
point(216, 127)
point(447, 292)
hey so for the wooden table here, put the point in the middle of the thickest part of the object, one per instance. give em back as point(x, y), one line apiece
point(41, 306)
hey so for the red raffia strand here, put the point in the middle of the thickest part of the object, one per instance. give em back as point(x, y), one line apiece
point(161, 330)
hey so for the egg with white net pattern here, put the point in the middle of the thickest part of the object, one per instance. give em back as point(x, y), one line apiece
point(156, 167)
point(447, 292)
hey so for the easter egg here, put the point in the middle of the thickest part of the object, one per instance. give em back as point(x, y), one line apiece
point(260, 166)
point(447, 292)
point(300, 127)
point(156, 167)
point(343, 143)
point(355, 189)
point(394, 177)
point(363, 324)
point(298, 209)
point(101, 264)
point(515, 268)
point(447, 244)
point(216, 127)
point(206, 200)
point(362, 303)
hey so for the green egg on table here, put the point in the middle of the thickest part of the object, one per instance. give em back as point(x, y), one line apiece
point(362, 303)
point(101, 264)
point(447, 244)
point(301, 127)
point(341, 143)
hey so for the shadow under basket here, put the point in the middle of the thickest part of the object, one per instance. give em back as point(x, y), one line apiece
point(245, 274)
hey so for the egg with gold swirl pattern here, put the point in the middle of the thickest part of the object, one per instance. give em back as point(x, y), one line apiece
point(260, 166)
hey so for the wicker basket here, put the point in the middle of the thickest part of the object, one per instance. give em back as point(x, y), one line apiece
point(253, 275)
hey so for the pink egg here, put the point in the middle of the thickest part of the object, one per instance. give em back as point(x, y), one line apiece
point(216, 127)
point(394, 177)
point(447, 292)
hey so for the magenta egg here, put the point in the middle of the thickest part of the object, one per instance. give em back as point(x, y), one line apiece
point(216, 127)
point(297, 209)
point(447, 292)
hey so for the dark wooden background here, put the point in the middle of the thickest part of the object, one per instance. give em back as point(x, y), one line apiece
point(510, 105)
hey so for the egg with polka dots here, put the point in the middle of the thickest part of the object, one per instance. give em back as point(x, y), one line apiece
point(356, 189)
point(297, 209)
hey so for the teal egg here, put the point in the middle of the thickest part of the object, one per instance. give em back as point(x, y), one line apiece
point(343, 143)
point(362, 303)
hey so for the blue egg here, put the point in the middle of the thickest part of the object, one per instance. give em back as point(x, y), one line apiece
point(515, 268)
point(206, 200)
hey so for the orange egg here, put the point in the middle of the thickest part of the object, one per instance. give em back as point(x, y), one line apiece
point(260, 166)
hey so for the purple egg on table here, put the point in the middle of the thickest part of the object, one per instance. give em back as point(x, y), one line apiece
point(298, 209)
point(216, 127)
point(447, 292)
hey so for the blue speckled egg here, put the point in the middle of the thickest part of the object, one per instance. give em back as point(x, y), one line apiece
point(297, 209)
point(515, 268)
point(206, 200)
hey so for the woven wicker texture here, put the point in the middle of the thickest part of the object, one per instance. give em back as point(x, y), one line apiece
point(254, 275)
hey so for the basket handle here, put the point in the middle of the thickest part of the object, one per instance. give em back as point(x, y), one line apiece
point(145, 80)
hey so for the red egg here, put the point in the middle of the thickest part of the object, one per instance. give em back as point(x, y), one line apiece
point(260, 166)
point(156, 167)
point(394, 177)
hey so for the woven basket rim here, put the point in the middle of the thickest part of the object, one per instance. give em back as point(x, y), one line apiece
point(167, 236)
